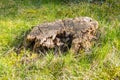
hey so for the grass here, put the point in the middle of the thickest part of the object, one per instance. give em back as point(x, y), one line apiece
point(18, 16)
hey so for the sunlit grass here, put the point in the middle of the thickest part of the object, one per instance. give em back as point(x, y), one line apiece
point(17, 17)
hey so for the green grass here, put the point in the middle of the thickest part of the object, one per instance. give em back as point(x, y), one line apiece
point(18, 16)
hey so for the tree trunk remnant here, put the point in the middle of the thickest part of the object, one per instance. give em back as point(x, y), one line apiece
point(73, 33)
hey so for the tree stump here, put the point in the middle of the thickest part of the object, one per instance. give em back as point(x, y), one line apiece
point(62, 35)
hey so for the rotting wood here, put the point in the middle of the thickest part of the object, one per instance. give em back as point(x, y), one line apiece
point(72, 33)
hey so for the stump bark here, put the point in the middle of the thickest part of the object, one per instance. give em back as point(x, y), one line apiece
point(73, 33)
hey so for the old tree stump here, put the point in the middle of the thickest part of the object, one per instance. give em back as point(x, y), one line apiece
point(75, 34)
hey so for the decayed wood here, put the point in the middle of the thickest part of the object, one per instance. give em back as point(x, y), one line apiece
point(62, 35)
